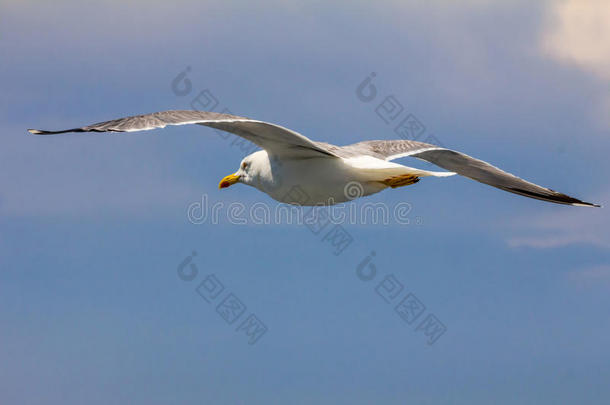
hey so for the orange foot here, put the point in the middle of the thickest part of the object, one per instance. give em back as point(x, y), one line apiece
point(402, 180)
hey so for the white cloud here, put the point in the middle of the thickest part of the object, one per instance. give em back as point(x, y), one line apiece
point(577, 33)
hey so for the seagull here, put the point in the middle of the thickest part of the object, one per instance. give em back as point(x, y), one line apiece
point(293, 169)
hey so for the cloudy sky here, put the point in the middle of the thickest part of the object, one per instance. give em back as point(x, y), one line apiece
point(94, 228)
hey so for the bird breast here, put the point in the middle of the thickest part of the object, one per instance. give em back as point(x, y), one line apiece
point(313, 181)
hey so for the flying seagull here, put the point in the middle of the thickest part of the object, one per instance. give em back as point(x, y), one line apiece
point(293, 169)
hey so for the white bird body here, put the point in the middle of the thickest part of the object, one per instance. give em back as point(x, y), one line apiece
point(322, 180)
point(312, 181)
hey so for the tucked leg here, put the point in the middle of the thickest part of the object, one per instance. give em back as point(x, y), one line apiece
point(400, 181)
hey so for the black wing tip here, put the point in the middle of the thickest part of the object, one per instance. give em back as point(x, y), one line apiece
point(43, 132)
point(586, 204)
point(575, 202)
point(558, 198)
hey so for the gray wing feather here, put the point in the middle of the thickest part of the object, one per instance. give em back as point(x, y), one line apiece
point(386, 150)
point(270, 137)
point(464, 165)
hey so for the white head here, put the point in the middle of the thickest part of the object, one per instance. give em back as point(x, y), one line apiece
point(250, 170)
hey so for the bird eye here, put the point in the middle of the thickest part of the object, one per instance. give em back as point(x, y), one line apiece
point(244, 165)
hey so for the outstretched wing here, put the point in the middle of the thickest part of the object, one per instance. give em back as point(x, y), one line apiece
point(271, 137)
point(464, 165)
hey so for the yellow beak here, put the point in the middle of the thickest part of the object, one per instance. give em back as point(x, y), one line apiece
point(229, 180)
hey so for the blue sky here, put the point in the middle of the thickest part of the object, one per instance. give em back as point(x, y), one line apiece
point(94, 227)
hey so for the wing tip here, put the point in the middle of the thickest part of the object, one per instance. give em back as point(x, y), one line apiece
point(43, 132)
point(586, 204)
point(553, 196)
point(575, 201)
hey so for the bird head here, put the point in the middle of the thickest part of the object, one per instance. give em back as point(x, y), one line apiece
point(249, 170)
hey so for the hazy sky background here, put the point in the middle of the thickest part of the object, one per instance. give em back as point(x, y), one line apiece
point(94, 226)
